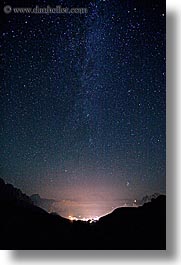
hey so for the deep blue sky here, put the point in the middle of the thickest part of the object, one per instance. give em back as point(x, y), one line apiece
point(83, 100)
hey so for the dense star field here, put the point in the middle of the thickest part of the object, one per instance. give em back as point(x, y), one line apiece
point(83, 103)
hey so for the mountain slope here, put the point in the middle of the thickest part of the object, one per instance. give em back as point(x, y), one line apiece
point(45, 204)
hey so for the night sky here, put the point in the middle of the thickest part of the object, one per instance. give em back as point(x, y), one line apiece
point(83, 102)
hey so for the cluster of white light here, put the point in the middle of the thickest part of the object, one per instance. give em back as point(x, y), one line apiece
point(90, 220)
point(72, 218)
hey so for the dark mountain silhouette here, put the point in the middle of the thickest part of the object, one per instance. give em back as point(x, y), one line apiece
point(26, 226)
point(10, 194)
point(136, 228)
point(44, 203)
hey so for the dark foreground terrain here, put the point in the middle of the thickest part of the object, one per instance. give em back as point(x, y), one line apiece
point(26, 226)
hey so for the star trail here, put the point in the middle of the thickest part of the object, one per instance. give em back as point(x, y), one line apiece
point(83, 102)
